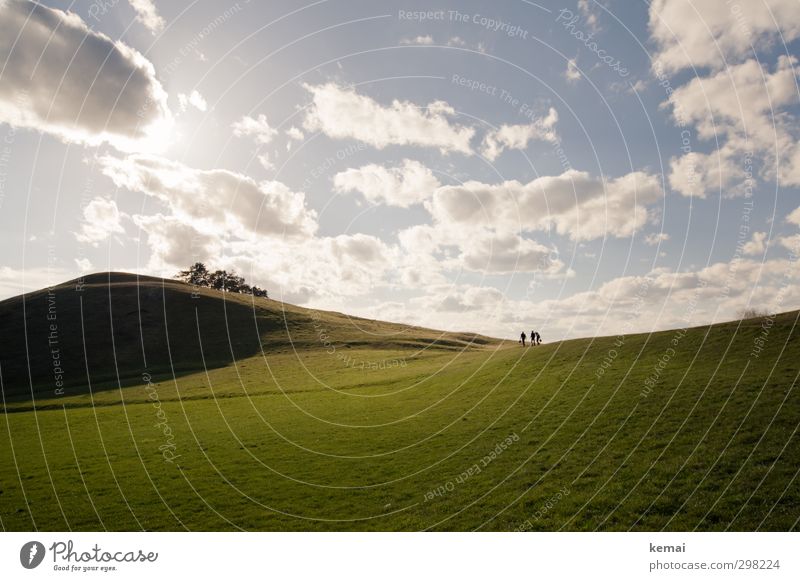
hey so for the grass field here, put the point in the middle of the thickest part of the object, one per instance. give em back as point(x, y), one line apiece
point(219, 412)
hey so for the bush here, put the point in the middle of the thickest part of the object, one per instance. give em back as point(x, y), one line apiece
point(753, 313)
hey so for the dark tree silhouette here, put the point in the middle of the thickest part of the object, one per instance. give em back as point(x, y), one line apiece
point(259, 292)
point(196, 275)
point(222, 280)
point(216, 279)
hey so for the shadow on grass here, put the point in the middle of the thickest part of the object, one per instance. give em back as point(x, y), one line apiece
point(112, 329)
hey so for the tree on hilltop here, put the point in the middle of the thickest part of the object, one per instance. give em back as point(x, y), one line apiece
point(197, 275)
point(222, 280)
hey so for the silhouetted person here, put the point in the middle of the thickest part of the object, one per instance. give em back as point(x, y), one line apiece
point(533, 334)
point(538, 339)
point(522, 338)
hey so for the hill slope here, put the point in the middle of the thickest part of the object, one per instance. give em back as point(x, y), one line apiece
point(119, 326)
point(679, 430)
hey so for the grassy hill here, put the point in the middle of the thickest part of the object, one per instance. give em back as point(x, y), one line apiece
point(117, 326)
point(217, 411)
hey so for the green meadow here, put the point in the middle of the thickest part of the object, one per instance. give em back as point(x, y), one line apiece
point(191, 409)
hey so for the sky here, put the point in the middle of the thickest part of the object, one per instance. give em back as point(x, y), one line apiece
point(580, 168)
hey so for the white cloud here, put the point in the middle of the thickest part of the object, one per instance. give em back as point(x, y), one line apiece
point(294, 133)
point(791, 243)
point(756, 245)
point(411, 183)
point(639, 86)
point(707, 33)
point(84, 88)
point(794, 217)
point(588, 14)
point(101, 219)
point(738, 101)
point(655, 239)
point(258, 128)
point(147, 14)
point(220, 199)
point(175, 242)
point(195, 99)
point(507, 253)
point(325, 269)
point(463, 299)
point(789, 168)
point(342, 113)
point(518, 136)
point(572, 74)
point(83, 264)
point(265, 161)
point(577, 204)
point(461, 43)
point(263, 230)
point(418, 264)
point(700, 174)
point(743, 108)
point(433, 249)
point(424, 40)
point(198, 101)
point(361, 249)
